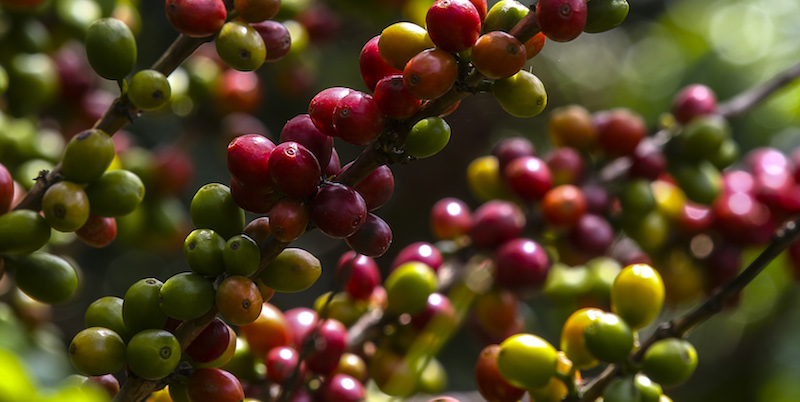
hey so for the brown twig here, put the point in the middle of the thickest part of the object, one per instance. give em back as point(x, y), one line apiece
point(752, 97)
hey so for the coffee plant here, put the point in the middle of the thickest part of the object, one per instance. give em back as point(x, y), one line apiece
point(621, 231)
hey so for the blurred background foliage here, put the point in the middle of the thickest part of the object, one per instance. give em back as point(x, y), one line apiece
point(748, 353)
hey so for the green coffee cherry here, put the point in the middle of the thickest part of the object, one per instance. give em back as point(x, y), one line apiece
point(149, 90)
point(701, 182)
point(292, 270)
point(408, 287)
point(186, 296)
point(521, 95)
point(97, 351)
point(527, 361)
point(202, 250)
point(241, 255)
point(504, 15)
point(111, 48)
point(3, 80)
point(33, 82)
point(65, 206)
point(213, 207)
point(602, 15)
point(670, 361)
point(87, 155)
point(115, 193)
point(637, 198)
point(153, 354)
point(703, 136)
point(609, 338)
point(23, 231)
point(141, 309)
point(106, 312)
point(45, 277)
point(427, 137)
point(240, 46)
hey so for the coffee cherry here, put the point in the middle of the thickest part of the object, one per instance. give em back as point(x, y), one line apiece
point(373, 238)
point(450, 218)
point(649, 161)
point(341, 387)
point(670, 361)
point(269, 330)
point(115, 193)
point(276, 37)
point(32, 83)
point(153, 354)
point(393, 98)
point(213, 207)
point(534, 45)
point(485, 179)
point(362, 274)
point(496, 222)
point(238, 92)
point(408, 287)
point(214, 385)
point(97, 351)
point(491, 384)
point(338, 210)
point(566, 166)
point(106, 312)
point(527, 361)
point(401, 41)
point(603, 15)
point(211, 343)
point(202, 250)
point(141, 309)
point(257, 10)
point(372, 66)
point(353, 365)
point(87, 155)
point(393, 373)
point(357, 119)
point(453, 25)
point(65, 206)
point(301, 129)
point(608, 338)
point(504, 15)
point(248, 161)
point(321, 107)
point(238, 300)
point(427, 137)
point(564, 205)
point(288, 219)
point(622, 389)
point(573, 342)
point(259, 203)
point(110, 48)
point(149, 90)
point(528, 178)
point(571, 126)
point(291, 271)
point(281, 364)
point(419, 251)
point(510, 148)
point(497, 54)
point(196, 18)
point(521, 264)
point(637, 295)
point(561, 20)
point(186, 296)
point(45, 277)
point(241, 255)
point(430, 73)
point(521, 95)
point(592, 234)
point(692, 101)
point(329, 342)
point(703, 136)
point(240, 46)
point(619, 131)
point(376, 188)
point(6, 189)
point(701, 182)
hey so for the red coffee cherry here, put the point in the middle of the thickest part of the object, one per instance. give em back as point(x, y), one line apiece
point(453, 25)
point(693, 101)
point(300, 321)
point(497, 55)
point(6, 189)
point(420, 251)
point(330, 342)
point(320, 109)
point(276, 38)
point(592, 235)
point(439, 312)
point(430, 74)
point(362, 272)
point(248, 162)
point(566, 166)
point(619, 131)
point(214, 385)
point(98, 231)
point(491, 384)
point(564, 205)
point(357, 119)
point(510, 148)
point(649, 161)
point(528, 177)
point(561, 20)
point(281, 364)
point(535, 45)
point(271, 329)
point(496, 222)
point(376, 188)
point(520, 264)
point(338, 210)
point(294, 169)
point(301, 129)
point(258, 203)
point(341, 388)
point(393, 98)
point(288, 219)
point(450, 218)
point(373, 238)
point(196, 18)
point(372, 66)
point(211, 342)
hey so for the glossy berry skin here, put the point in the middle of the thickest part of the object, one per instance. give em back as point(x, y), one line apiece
point(186, 296)
point(202, 250)
point(453, 25)
point(87, 156)
point(338, 210)
point(572, 341)
point(649, 161)
point(97, 351)
point(321, 107)
point(619, 131)
point(259, 203)
point(561, 20)
point(256, 10)
point(248, 161)
point(394, 100)
point(239, 300)
point(140, 307)
point(566, 166)
point(409, 286)
point(497, 54)
point(240, 46)
point(269, 330)
point(149, 90)
point(357, 118)
point(153, 354)
point(372, 66)
point(377, 187)
point(693, 101)
point(213, 207)
point(592, 234)
point(608, 338)
point(534, 45)
point(521, 264)
point(637, 295)
point(527, 361)
point(421, 251)
point(115, 193)
point(571, 126)
point(450, 218)
point(341, 387)
point(509, 148)
point(293, 270)
point(281, 363)
point(401, 41)
point(196, 18)
point(427, 137)
point(329, 345)
point(212, 384)
point(210, 343)
point(496, 222)
point(521, 95)
point(491, 384)
point(373, 238)
point(604, 15)
point(110, 48)
point(294, 169)
point(65, 206)
point(670, 361)
point(276, 37)
point(564, 205)
point(430, 74)
point(45, 277)
point(288, 219)
point(6, 189)
point(439, 313)
point(301, 129)
point(362, 273)
point(528, 177)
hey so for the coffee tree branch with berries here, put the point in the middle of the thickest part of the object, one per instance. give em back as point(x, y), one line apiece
point(608, 233)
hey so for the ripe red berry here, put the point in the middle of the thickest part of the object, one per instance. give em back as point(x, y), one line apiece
point(373, 238)
point(563, 206)
point(248, 162)
point(377, 187)
point(372, 66)
point(288, 219)
point(329, 344)
point(497, 55)
point(491, 384)
point(566, 166)
point(453, 25)
point(196, 18)
point(510, 148)
point(496, 222)
point(320, 109)
point(430, 74)
point(520, 264)
point(420, 251)
point(561, 20)
point(212, 384)
point(450, 218)
point(98, 231)
point(357, 119)
point(338, 210)
point(394, 100)
point(693, 101)
point(619, 131)
point(341, 388)
point(276, 38)
point(211, 342)
point(294, 169)
point(528, 177)
point(363, 274)
point(301, 129)
point(281, 364)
